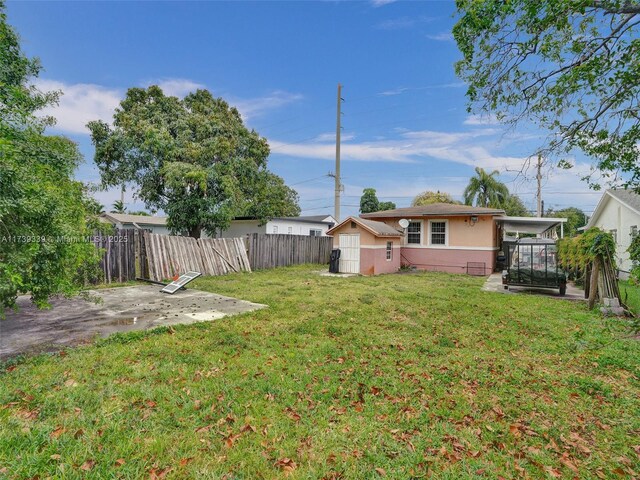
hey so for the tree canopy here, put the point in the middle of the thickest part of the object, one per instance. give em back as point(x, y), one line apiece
point(569, 66)
point(369, 202)
point(576, 218)
point(43, 211)
point(192, 158)
point(428, 197)
point(514, 207)
point(485, 190)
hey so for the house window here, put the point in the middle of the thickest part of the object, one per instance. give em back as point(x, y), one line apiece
point(614, 234)
point(289, 230)
point(634, 231)
point(275, 229)
point(438, 233)
point(389, 250)
point(414, 232)
point(315, 232)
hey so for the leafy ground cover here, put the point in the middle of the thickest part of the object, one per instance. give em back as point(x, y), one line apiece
point(395, 376)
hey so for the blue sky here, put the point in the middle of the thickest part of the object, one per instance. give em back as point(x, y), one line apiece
point(406, 128)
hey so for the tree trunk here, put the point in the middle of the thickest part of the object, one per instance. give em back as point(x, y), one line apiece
point(195, 232)
point(593, 286)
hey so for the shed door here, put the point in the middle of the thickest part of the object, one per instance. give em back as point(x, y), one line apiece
point(350, 253)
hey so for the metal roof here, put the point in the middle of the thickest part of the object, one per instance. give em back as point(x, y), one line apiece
point(535, 225)
point(434, 210)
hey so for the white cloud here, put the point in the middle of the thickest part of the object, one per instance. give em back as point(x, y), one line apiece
point(83, 102)
point(467, 148)
point(441, 37)
point(396, 91)
point(254, 107)
point(80, 103)
point(481, 120)
point(403, 22)
point(381, 3)
point(177, 87)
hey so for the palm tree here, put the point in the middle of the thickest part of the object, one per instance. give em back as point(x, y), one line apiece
point(486, 190)
point(118, 207)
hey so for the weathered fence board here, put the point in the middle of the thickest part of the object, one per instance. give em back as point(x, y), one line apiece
point(168, 255)
point(118, 263)
point(273, 250)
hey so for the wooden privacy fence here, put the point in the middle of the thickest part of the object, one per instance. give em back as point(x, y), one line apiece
point(163, 256)
point(118, 262)
point(274, 250)
point(135, 253)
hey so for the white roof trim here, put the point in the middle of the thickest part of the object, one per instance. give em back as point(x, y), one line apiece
point(600, 206)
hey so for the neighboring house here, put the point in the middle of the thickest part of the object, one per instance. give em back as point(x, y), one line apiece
point(441, 236)
point(618, 212)
point(314, 225)
point(139, 222)
point(367, 247)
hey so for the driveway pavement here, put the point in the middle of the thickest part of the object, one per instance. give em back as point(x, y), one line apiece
point(75, 321)
point(494, 284)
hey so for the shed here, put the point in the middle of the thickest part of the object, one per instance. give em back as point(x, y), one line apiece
point(366, 246)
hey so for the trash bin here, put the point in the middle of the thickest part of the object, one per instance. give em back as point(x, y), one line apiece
point(334, 261)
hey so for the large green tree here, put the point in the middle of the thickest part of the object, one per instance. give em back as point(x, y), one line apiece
point(428, 197)
point(485, 190)
point(369, 202)
point(569, 66)
point(192, 158)
point(576, 218)
point(514, 206)
point(43, 211)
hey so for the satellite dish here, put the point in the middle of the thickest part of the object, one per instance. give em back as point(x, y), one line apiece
point(404, 223)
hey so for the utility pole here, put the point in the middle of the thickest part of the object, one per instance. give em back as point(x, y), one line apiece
point(338, 185)
point(539, 194)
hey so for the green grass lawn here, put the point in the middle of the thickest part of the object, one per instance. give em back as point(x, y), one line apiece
point(396, 376)
point(630, 294)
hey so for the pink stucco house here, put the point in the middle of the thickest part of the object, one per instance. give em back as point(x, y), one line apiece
point(441, 237)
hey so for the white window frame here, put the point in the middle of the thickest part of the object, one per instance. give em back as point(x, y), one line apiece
point(389, 251)
point(289, 230)
point(275, 229)
point(406, 238)
point(614, 233)
point(318, 232)
point(446, 233)
point(633, 231)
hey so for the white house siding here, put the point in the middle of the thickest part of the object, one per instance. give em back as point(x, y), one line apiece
point(297, 228)
point(241, 228)
point(616, 216)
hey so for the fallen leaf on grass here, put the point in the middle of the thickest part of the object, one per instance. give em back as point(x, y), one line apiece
point(248, 428)
point(185, 461)
point(71, 383)
point(381, 472)
point(204, 429)
point(88, 465)
point(55, 456)
point(286, 465)
point(158, 473)
point(292, 414)
point(231, 439)
point(57, 432)
point(119, 462)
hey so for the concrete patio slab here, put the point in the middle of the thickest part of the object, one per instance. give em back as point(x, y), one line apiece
point(494, 284)
point(75, 321)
